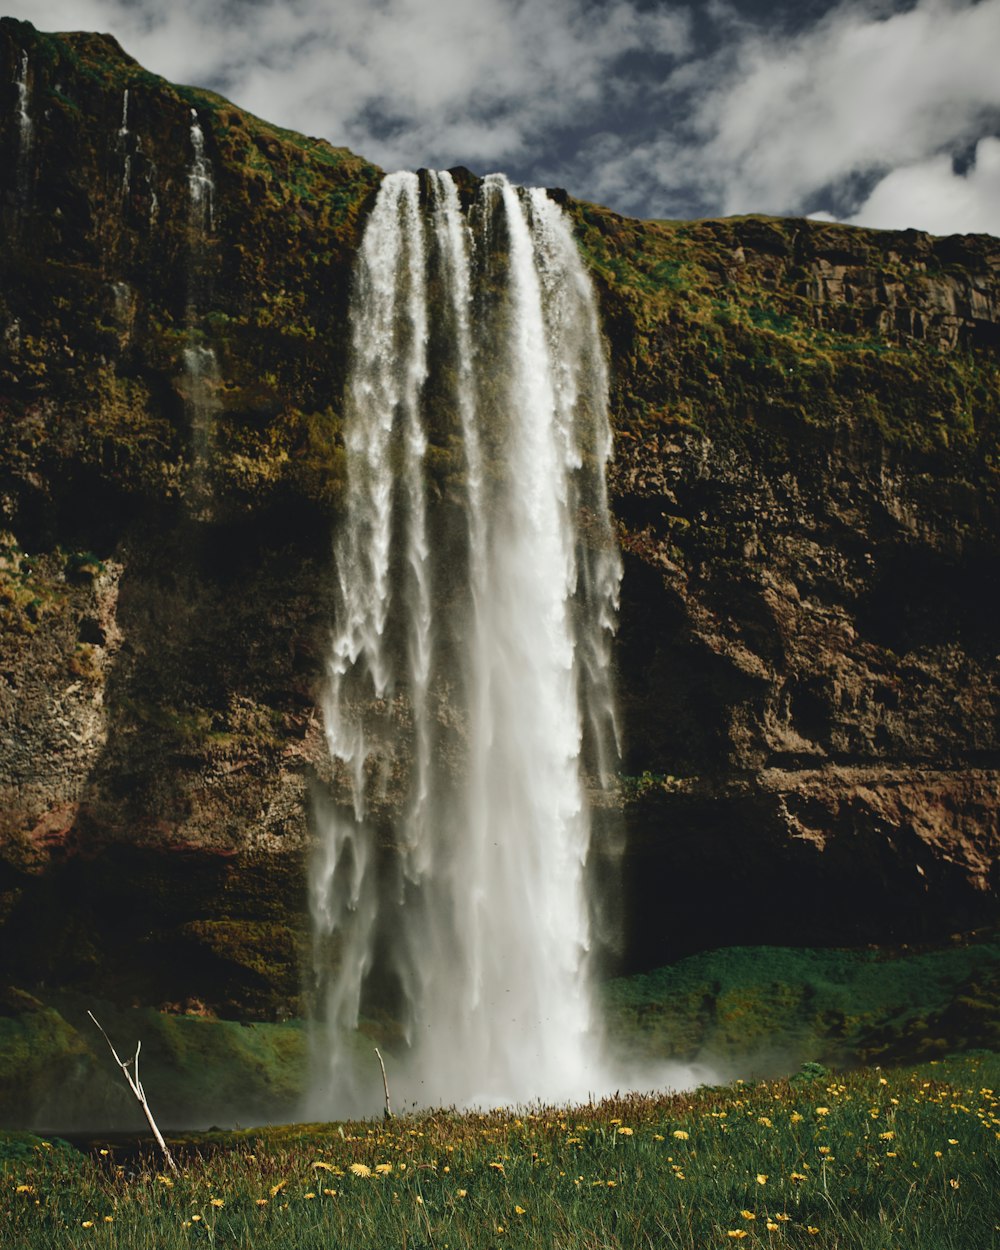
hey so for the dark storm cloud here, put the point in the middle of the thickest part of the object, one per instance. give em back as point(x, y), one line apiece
point(658, 108)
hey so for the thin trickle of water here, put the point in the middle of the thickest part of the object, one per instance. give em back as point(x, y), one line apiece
point(201, 186)
point(469, 711)
point(122, 142)
point(200, 363)
point(25, 128)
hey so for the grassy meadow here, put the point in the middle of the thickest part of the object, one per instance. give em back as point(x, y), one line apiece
point(889, 1159)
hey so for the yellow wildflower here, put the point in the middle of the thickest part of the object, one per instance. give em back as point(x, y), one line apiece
point(797, 1176)
point(887, 1136)
point(824, 1150)
point(761, 1178)
point(937, 1154)
point(25, 1189)
point(461, 1192)
point(763, 1119)
point(497, 1167)
point(309, 1195)
point(88, 1224)
point(325, 1167)
point(771, 1227)
point(783, 1217)
point(812, 1229)
point(952, 1141)
point(262, 1202)
point(383, 1169)
point(217, 1202)
point(109, 1219)
point(519, 1211)
point(737, 1233)
point(196, 1217)
point(276, 1189)
point(330, 1193)
point(657, 1137)
point(625, 1132)
point(361, 1169)
point(796, 1118)
point(954, 1184)
point(748, 1215)
point(822, 1110)
point(681, 1135)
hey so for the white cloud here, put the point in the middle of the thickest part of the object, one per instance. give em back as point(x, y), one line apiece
point(930, 196)
point(855, 93)
point(855, 113)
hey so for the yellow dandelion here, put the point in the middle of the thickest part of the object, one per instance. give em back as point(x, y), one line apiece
point(217, 1202)
point(25, 1189)
point(330, 1193)
point(812, 1229)
point(771, 1226)
point(87, 1224)
point(500, 1228)
point(309, 1195)
point(383, 1169)
point(360, 1169)
point(461, 1192)
point(165, 1181)
point(887, 1136)
point(795, 1177)
point(748, 1215)
point(891, 1154)
point(822, 1110)
point(196, 1218)
point(761, 1178)
point(737, 1234)
point(103, 1152)
point(262, 1202)
point(952, 1141)
point(681, 1135)
point(657, 1137)
point(519, 1211)
point(625, 1132)
point(276, 1189)
point(937, 1154)
point(783, 1217)
point(420, 1201)
point(954, 1184)
point(497, 1167)
point(323, 1167)
point(824, 1150)
point(109, 1219)
point(763, 1119)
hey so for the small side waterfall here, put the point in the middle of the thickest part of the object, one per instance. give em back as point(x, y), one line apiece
point(122, 145)
point(469, 710)
point(201, 186)
point(25, 129)
point(200, 364)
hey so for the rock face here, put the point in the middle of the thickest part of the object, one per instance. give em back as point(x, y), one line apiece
point(806, 485)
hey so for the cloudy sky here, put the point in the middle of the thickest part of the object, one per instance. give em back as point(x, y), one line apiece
point(881, 112)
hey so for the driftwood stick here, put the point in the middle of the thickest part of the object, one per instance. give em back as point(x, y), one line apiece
point(135, 1085)
point(387, 1113)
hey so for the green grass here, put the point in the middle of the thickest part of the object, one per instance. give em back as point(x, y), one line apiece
point(873, 1160)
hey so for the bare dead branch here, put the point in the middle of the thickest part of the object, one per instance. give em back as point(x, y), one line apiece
point(387, 1113)
point(135, 1085)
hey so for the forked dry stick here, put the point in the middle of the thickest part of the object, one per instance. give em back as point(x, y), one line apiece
point(387, 1114)
point(135, 1085)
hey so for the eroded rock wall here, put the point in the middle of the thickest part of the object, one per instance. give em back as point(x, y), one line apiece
point(805, 483)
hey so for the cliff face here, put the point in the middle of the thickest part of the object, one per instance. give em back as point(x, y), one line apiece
point(805, 482)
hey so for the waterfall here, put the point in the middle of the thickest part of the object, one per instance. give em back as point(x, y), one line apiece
point(122, 143)
point(200, 364)
point(201, 187)
point(468, 710)
point(24, 127)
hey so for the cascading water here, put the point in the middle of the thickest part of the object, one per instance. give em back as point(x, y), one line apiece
point(25, 128)
point(200, 364)
point(122, 142)
point(468, 713)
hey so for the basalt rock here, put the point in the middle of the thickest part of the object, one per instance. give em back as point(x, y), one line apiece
point(806, 490)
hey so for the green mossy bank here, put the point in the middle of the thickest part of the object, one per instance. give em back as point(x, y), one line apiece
point(806, 497)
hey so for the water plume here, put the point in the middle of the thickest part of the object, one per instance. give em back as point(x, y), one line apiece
point(468, 710)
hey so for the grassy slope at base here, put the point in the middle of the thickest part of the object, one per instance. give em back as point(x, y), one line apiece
point(872, 1160)
point(739, 1012)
